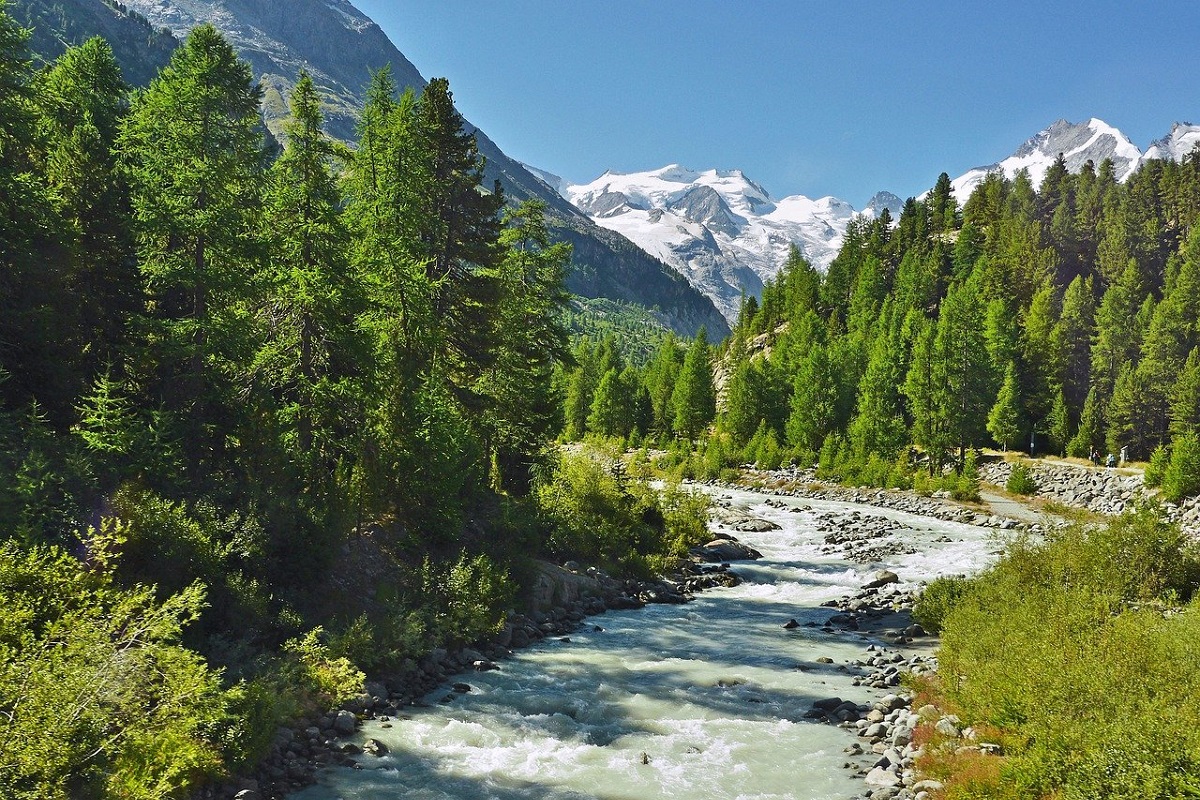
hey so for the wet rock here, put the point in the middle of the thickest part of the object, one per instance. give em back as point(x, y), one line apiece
point(345, 723)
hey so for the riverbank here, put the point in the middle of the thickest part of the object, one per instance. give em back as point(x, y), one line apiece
point(562, 599)
point(626, 685)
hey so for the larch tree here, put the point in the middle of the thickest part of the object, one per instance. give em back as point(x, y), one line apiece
point(694, 397)
point(195, 160)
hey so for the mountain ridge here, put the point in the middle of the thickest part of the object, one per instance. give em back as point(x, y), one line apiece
point(339, 45)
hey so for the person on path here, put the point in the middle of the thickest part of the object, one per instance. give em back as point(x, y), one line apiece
point(1111, 461)
point(1095, 457)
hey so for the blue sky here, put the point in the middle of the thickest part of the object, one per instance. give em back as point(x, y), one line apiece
point(841, 98)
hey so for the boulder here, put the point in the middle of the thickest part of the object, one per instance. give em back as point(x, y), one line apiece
point(882, 578)
point(376, 748)
point(345, 723)
point(721, 550)
point(880, 778)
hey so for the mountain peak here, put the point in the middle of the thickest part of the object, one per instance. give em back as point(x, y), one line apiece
point(717, 227)
point(1077, 142)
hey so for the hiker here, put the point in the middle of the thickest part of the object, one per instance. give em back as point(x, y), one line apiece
point(1111, 461)
point(1095, 457)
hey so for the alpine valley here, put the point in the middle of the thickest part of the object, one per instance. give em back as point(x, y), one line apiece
point(678, 245)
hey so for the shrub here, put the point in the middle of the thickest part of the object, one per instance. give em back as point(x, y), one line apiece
point(938, 600)
point(1021, 480)
point(1063, 648)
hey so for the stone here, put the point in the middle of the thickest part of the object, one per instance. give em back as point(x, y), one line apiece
point(880, 778)
point(947, 728)
point(345, 723)
point(376, 748)
point(882, 578)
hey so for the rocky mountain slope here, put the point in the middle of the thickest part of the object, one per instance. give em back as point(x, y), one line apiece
point(339, 45)
point(139, 47)
point(719, 228)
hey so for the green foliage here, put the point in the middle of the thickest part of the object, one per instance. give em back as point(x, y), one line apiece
point(1064, 650)
point(1157, 468)
point(326, 678)
point(601, 516)
point(1021, 480)
point(101, 699)
point(938, 600)
point(1181, 478)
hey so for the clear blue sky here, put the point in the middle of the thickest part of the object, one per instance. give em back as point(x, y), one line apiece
point(841, 98)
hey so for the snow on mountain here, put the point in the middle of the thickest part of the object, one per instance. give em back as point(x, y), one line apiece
point(883, 200)
point(1078, 142)
point(720, 229)
point(1182, 139)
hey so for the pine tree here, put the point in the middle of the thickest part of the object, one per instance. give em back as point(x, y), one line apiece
point(1073, 342)
point(610, 412)
point(1059, 426)
point(81, 101)
point(814, 401)
point(311, 345)
point(531, 341)
point(33, 306)
point(661, 374)
point(1090, 434)
point(878, 427)
point(1185, 398)
point(961, 368)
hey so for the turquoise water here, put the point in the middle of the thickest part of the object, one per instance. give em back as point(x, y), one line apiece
point(704, 700)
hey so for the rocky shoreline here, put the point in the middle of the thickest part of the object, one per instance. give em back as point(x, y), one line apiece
point(563, 598)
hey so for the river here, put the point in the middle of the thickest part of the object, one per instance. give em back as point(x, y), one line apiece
point(703, 700)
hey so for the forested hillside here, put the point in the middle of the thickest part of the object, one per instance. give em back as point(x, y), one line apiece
point(1062, 318)
point(266, 417)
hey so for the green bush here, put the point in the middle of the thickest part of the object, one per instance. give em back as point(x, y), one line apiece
point(938, 600)
point(100, 700)
point(1021, 481)
point(1064, 650)
point(599, 515)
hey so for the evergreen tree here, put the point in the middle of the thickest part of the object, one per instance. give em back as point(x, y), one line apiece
point(661, 373)
point(694, 398)
point(610, 412)
point(195, 160)
point(878, 426)
point(1004, 420)
point(1185, 398)
point(36, 365)
point(1089, 436)
point(531, 341)
point(311, 348)
point(1073, 342)
point(963, 378)
point(1059, 426)
point(81, 102)
point(814, 401)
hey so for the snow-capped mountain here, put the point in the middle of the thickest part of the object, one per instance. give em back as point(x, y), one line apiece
point(720, 229)
point(1078, 142)
point(1184, 136)
point(883, 200)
